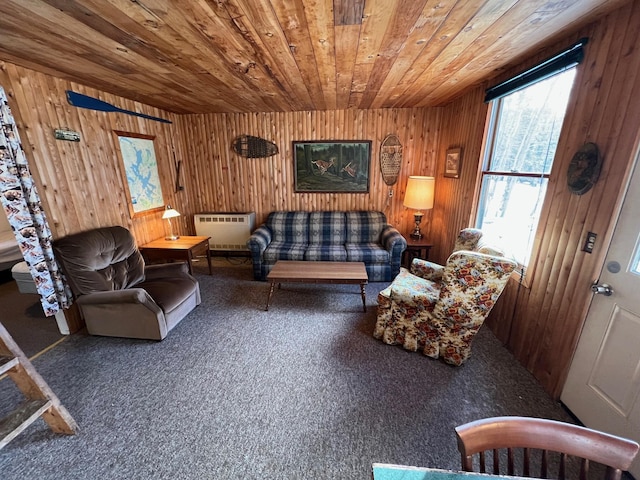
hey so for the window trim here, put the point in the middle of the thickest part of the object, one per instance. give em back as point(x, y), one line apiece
point(523, 274)
point(558, 63)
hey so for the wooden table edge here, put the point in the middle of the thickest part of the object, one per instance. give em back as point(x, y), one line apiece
point(306, 278)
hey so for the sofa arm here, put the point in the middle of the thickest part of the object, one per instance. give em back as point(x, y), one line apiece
point(258, 242)
point(427, 270)
point(393, 241)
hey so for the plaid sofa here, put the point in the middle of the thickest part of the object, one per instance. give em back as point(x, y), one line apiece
point(358, 236)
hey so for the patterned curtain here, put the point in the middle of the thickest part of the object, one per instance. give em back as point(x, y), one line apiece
point(21, 203)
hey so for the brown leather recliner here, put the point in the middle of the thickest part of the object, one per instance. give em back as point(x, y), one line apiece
point(117, 294)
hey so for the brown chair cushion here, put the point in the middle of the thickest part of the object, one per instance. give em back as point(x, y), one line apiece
point(169, 292)
point(100, 260)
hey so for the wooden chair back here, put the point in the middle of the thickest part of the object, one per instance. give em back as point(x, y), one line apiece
point(506, 436)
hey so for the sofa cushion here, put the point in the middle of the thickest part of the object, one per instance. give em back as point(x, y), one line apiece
point(366, 252)
point(365, 226)
point(326, 253)
point(284, 251)
point(289, 227)
point(327, 228)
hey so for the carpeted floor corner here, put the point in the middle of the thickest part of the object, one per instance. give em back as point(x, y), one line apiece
point(300, 391)
point(23, 317)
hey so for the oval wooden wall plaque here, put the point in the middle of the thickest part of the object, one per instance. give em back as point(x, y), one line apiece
point(390, 159)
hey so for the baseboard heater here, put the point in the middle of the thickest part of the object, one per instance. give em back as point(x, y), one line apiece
point(229, 231)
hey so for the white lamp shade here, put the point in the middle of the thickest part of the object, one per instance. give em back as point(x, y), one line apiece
point(170, 212)
point(420, 193)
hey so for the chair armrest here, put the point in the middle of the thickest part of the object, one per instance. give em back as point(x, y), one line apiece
point(130, 313)
point(427, 270)
point(259, 240)
point(128, 295)
point(163, 270)
point(491, 250)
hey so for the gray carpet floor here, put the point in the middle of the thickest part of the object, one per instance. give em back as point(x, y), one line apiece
point(23, 317)
point(300, 391)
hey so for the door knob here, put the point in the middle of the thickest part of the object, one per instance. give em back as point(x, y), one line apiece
point(603, 289)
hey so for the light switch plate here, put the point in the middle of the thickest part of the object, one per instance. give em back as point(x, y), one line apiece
point(589, 242)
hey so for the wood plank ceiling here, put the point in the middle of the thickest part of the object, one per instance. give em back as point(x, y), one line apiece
point(201, 56)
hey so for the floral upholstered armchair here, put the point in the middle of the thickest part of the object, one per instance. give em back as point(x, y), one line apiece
point(439, 309)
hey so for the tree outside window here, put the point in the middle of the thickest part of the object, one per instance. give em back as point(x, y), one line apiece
point(523, 135)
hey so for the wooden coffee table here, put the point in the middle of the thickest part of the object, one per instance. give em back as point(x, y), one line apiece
point(290, 271)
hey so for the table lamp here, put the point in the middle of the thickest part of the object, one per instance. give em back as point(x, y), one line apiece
point(170, 213)
point(419, 196)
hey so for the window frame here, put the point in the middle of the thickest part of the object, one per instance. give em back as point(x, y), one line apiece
point(567, 59)
point(522, 273)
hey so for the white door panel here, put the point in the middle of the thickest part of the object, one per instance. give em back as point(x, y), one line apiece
point(603, 384)
point(616, 371)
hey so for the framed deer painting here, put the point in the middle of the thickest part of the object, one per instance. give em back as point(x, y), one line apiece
point(336, 166)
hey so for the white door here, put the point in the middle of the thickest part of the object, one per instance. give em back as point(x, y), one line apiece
point(603, 384)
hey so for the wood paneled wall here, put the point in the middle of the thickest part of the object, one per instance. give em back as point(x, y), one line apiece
point(221, 180)
point(462, 127)
point(541, 323)
point(81, 183)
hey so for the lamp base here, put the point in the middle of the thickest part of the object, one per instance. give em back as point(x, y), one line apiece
point(172, 237)
point(417, 234)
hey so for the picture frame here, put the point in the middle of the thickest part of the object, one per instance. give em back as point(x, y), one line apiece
point(140, 173)
point(452, 163)
point(331, 166)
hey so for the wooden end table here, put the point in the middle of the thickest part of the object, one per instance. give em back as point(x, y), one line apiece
point(415, 249)
point(292, 271)
point(184, 248)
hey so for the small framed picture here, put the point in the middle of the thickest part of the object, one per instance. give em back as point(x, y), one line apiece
point(452, 163)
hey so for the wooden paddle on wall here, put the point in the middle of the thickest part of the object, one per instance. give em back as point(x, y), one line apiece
point(84, 101)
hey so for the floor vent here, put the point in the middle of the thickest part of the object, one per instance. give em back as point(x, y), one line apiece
point(228, 231)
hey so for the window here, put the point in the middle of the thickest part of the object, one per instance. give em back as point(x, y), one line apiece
point(524, 128)
point(635, 262)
